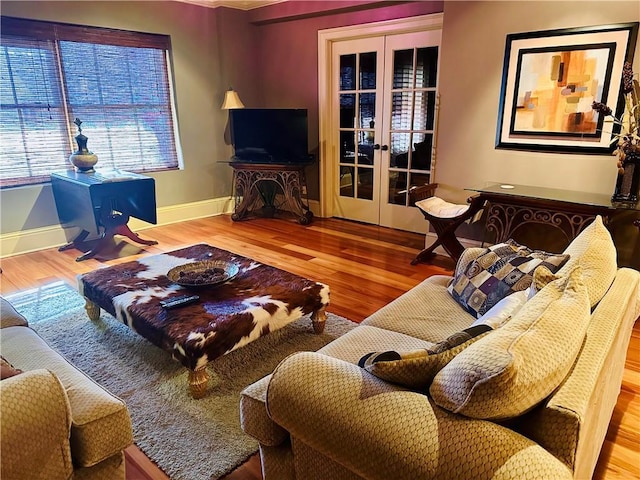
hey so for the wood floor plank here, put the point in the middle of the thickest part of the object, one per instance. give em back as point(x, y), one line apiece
point(365, 266)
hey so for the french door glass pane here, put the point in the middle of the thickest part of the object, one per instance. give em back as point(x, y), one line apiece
point(397, 187)
point(401, 103)
point(425, 108)
point(348, 72)
point(364, 188)
point(347, 110)
point(421, 151)
point(366, 141)
point(347, 147)
point(368, 70)
point(367, 112)
point(403, 69)
point(419, 179)
point(426, 67)
point(400, 150)
point(346, 181)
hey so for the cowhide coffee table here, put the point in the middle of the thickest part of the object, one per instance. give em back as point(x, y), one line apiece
point(260, 299)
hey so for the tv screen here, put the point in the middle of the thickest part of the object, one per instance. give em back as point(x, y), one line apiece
point(269, 135)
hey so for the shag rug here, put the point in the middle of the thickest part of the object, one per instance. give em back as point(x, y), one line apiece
point(188, 439)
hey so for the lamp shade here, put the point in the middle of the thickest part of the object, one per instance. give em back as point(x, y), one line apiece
point(231, 100)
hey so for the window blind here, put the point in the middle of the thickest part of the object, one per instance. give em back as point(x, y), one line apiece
point(116, 82)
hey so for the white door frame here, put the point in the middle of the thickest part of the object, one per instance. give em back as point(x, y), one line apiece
point(326, 38)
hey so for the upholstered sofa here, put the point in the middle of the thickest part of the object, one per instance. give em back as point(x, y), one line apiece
point(56, 423)
point(531, 399)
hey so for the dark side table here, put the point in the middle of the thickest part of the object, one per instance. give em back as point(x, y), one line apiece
point(100, 203)
point(268, 190)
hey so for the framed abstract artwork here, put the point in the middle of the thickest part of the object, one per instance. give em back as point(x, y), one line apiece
point(551, 78)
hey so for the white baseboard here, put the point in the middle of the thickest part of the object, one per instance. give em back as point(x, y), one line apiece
point(25, 241)
point(431, 237)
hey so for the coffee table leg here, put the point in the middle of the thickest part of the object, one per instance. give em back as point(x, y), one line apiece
point(198, 382)
point(318, 319)
point(93, 310)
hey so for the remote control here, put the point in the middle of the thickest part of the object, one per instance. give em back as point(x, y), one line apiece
point(179, 301)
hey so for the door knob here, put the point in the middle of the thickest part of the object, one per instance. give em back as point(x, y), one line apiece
point(378, 147)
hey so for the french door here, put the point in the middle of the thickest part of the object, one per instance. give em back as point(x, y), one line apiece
point(381, 133)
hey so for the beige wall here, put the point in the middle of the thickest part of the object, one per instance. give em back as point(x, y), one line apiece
point(199, 88)
point(473, 44)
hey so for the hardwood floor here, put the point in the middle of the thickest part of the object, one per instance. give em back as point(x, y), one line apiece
point(365, 266)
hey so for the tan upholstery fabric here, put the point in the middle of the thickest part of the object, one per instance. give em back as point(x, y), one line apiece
point(573, 421)
point(252, 401)
point(9, 317)
point(417, 368)
point(381, 431)
point(508, 372)
point(427, 312)
point(594, 250)
point(312, 465)
point(34, 429)
point(101, 425)
point(277, 462)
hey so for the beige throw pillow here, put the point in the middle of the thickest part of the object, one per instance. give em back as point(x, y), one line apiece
point(594, 250)
point(517, 366)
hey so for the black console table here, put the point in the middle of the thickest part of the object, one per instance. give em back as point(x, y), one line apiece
point(269, 190)
point(100, 203)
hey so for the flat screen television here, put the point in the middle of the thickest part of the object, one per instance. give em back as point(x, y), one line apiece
point(269, 135)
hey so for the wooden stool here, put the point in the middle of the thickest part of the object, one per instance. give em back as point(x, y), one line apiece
point(446, 218)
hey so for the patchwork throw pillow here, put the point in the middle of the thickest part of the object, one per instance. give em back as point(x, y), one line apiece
point(516, 367)
point(501, 270)
point(416, 369)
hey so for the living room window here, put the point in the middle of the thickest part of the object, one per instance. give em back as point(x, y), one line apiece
point(116, 82)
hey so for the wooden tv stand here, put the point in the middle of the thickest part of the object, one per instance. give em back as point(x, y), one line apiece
point(270, 190)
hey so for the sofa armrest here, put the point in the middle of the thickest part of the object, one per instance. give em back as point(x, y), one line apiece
point(380, 431)
point(35, 427)
point(9, 316)
point(573, 422)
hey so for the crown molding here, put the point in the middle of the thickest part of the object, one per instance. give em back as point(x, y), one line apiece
point(237, 4)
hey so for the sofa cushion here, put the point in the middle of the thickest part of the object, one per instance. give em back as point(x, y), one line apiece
point(510, 371)
point(504, 268)
point(594, 250)
point(427, 312)
point(101, 426)
point(416, 368)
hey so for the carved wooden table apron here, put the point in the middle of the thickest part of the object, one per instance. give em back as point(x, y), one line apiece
point(253, 182)
point(511, 206)
point(260, 299)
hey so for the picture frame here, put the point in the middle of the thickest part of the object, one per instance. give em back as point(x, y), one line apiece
point(550, 80)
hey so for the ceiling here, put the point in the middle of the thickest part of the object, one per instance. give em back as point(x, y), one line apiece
point(238, 4)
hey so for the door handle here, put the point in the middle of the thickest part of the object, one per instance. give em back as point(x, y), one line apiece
point(384, 148)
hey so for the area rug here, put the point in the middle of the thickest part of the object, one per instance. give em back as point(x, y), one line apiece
point(187, 438)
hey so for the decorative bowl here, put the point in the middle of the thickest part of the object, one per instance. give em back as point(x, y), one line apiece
point(206, 273)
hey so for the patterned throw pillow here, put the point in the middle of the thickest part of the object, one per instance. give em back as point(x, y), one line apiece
point(502, 269)
point(416, 369)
